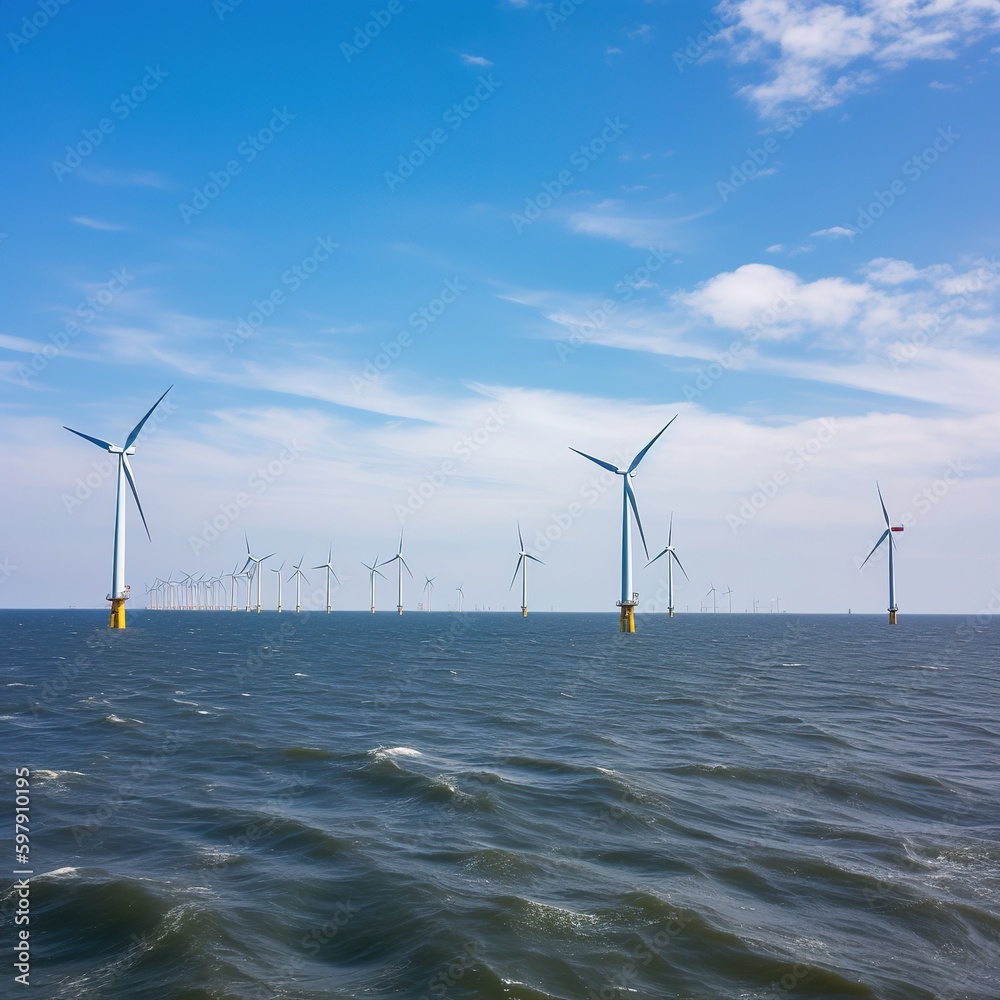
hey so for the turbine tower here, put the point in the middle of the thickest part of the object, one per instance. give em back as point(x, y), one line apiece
point(728, 592)
point(461, 596)
point(629, 598)
point(328, 566)
point(278, 573)
point(522, 565)
point(119, 589)
point(671, 553)
point(889, 529)
point(298, 576)
point(373, 571)
point(255, 563)
point(429, 589)
point(400, 564)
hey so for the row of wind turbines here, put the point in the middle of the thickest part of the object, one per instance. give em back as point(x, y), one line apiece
point(253, 567)
point(191, 594)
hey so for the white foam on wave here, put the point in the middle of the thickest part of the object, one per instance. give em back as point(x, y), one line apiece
point(59, 873)
point(118, 720)
point(300, 675)
point(41, 773)
point(398, 751)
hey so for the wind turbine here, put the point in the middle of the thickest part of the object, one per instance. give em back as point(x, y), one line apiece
point(298, 576)
point(234, 576)
point(671, 553)
point(277, 572)
point(728, 592)
point(461, 596)
point(119, 588)
point(429, 589)
point(629, 598)
point(373, 571)
point(715, 606)
point(256, 563)
point(889, 529)
point(328, 566)
point(400, 563)
point(522, 565)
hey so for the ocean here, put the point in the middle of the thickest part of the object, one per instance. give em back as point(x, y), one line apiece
point(231, 805)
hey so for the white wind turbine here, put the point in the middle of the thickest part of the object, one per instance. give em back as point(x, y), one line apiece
point(889, 529)
point(629, 598)
point(429, 589)
point(714, 605)
point(461, 595)
point(728, 592)
point(522, 565)
point(298, 576)
point(400, 565)
point(119, 588)
point(277, 573)
point(256, 572)
point(671, 553)
point(328, 566)
point(373, 571)
point(233, 593)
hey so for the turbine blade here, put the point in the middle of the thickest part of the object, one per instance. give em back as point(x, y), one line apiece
point(635, 510)
point(603, 465)
point(680, 567)
point(334, 574)
point(885, 535)
point(135, 493)
point(885, 513)
point(407, 568)
point(520, 540)
point(534, 559)
point(381, 574)
point(97, 441)
point(657, 556)
point(247, 540)
point(638, 458)
point(513, 579)
point(670, 531)
point(130, 440)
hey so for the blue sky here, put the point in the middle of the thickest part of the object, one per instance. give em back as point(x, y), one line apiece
point(523, 226)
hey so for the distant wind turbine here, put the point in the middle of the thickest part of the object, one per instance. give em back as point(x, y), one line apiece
point(253, 561)
point(429, 589)
point(400, 565)
point(728, 592)
point(328, 566)
point(277, 572)
point(373, 571)
point(298, 576)
point(522, 565)
point(889, 529)
point(461, 595)
point(629, 598)
point(671, 553)
point(715, 606)
point(119, 588)
point(234, 576)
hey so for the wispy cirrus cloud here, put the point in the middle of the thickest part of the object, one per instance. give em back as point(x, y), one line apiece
point(101, 224)
point(470, 60)
point(822, 52)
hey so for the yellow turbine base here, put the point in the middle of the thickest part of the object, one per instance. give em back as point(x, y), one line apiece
point(117, 613)
point(892, 617)
point(524, 612)
point(670, 612)
point(627, 621)
point(399, 609)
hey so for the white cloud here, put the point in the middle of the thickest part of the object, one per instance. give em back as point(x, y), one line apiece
point(821, 52)
point(108, 227)
point(834, 232)
point(475, 60)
